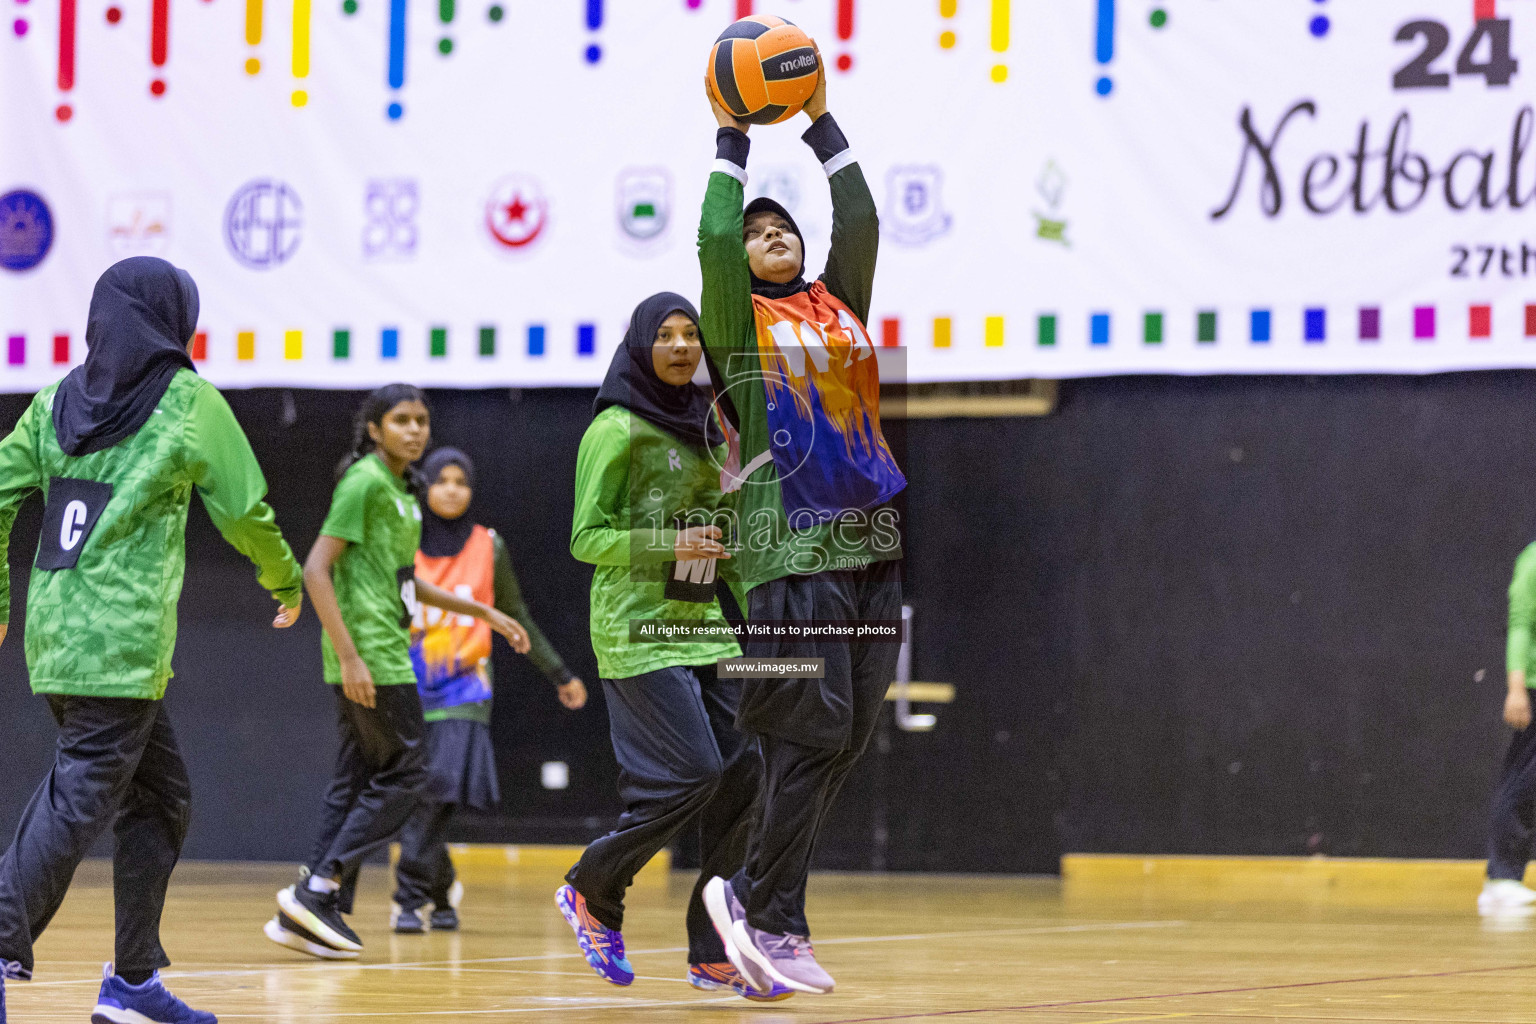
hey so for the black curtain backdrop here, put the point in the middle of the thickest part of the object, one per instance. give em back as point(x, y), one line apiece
point(1184, 615)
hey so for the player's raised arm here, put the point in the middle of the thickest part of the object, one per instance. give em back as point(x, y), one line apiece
point(725, 307)
point(850, 273)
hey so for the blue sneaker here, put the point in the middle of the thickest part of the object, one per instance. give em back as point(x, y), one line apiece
point(603, 947)
point(714, 977)
point(14, 971)
point(149, 1003)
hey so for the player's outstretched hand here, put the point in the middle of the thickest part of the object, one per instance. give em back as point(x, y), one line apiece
point(357, 682)
point(510, 628)
point(288, 616)
point(817, 104)
point(724, 118)
point(573, 694)
point(1517, 709)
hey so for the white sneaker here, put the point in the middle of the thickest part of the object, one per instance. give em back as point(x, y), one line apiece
point(1502, 895)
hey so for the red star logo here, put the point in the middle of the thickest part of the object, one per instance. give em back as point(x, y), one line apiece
point(516, 212)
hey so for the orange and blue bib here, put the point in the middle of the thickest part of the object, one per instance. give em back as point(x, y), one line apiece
point(822, 382)
point(450, 651)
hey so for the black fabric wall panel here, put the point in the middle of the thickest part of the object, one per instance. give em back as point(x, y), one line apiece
point(1214, 615)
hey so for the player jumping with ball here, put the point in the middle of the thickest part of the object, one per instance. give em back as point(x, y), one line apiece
point(817, 539)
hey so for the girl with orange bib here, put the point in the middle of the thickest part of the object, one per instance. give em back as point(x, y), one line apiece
point(451, 655)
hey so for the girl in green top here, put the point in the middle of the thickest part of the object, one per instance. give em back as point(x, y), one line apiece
point(1514, 799)
point(361, 577)
point(117, 448)
point(647, 473)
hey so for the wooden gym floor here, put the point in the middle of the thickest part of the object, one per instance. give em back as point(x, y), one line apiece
point(1118, 941)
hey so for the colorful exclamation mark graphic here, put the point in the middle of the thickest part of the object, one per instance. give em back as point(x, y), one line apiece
point(844, 32)
point(694, 5)
point(66, 56)
point(947, 12)
point(445, 15)
point(1104, 46)
point(159, 41)
point(1000, 13)
point(743, 9)
point(396, 55)
point(252, 34)
point(594, 22)
point(300, 48)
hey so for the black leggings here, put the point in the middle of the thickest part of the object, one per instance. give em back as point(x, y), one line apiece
point(681, 760)
point(117, 763)
point(380, 769)
point(1514, 809)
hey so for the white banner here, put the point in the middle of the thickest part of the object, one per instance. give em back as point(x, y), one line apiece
point(477, 192)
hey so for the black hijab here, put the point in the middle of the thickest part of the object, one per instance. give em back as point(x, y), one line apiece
point(143, 314)
point(444, 538)
point(685, 412)
point(768, 289)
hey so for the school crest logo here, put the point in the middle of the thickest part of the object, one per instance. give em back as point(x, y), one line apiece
point(1051, 186)
point(389, 229)
point(139, 224)
point(26, 230)
point(645, 203)
point(516, 213)
point(263, 223)
point(781, 184)
point(914, 208)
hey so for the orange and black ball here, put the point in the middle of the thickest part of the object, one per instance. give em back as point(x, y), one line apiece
point(763, 69)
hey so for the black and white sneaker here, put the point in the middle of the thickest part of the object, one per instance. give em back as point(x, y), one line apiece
point(317, 914)
point(285, 931)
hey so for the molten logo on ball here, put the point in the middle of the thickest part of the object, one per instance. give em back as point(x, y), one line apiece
point(763, 69)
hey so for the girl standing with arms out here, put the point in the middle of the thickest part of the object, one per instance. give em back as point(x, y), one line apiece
point(649, 465)
point(361, 577)
point(117, 447)
point(451, 655)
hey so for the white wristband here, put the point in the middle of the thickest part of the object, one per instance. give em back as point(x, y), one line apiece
point(726, 167)
point(838, 162)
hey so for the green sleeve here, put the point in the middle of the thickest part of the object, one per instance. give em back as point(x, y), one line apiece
point(509, 601)
point(226, 474)
point(20, 475)
point(850, 273)
point(600, 532)
point(349, 509)
point(725, 307)
point(1522, 612)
